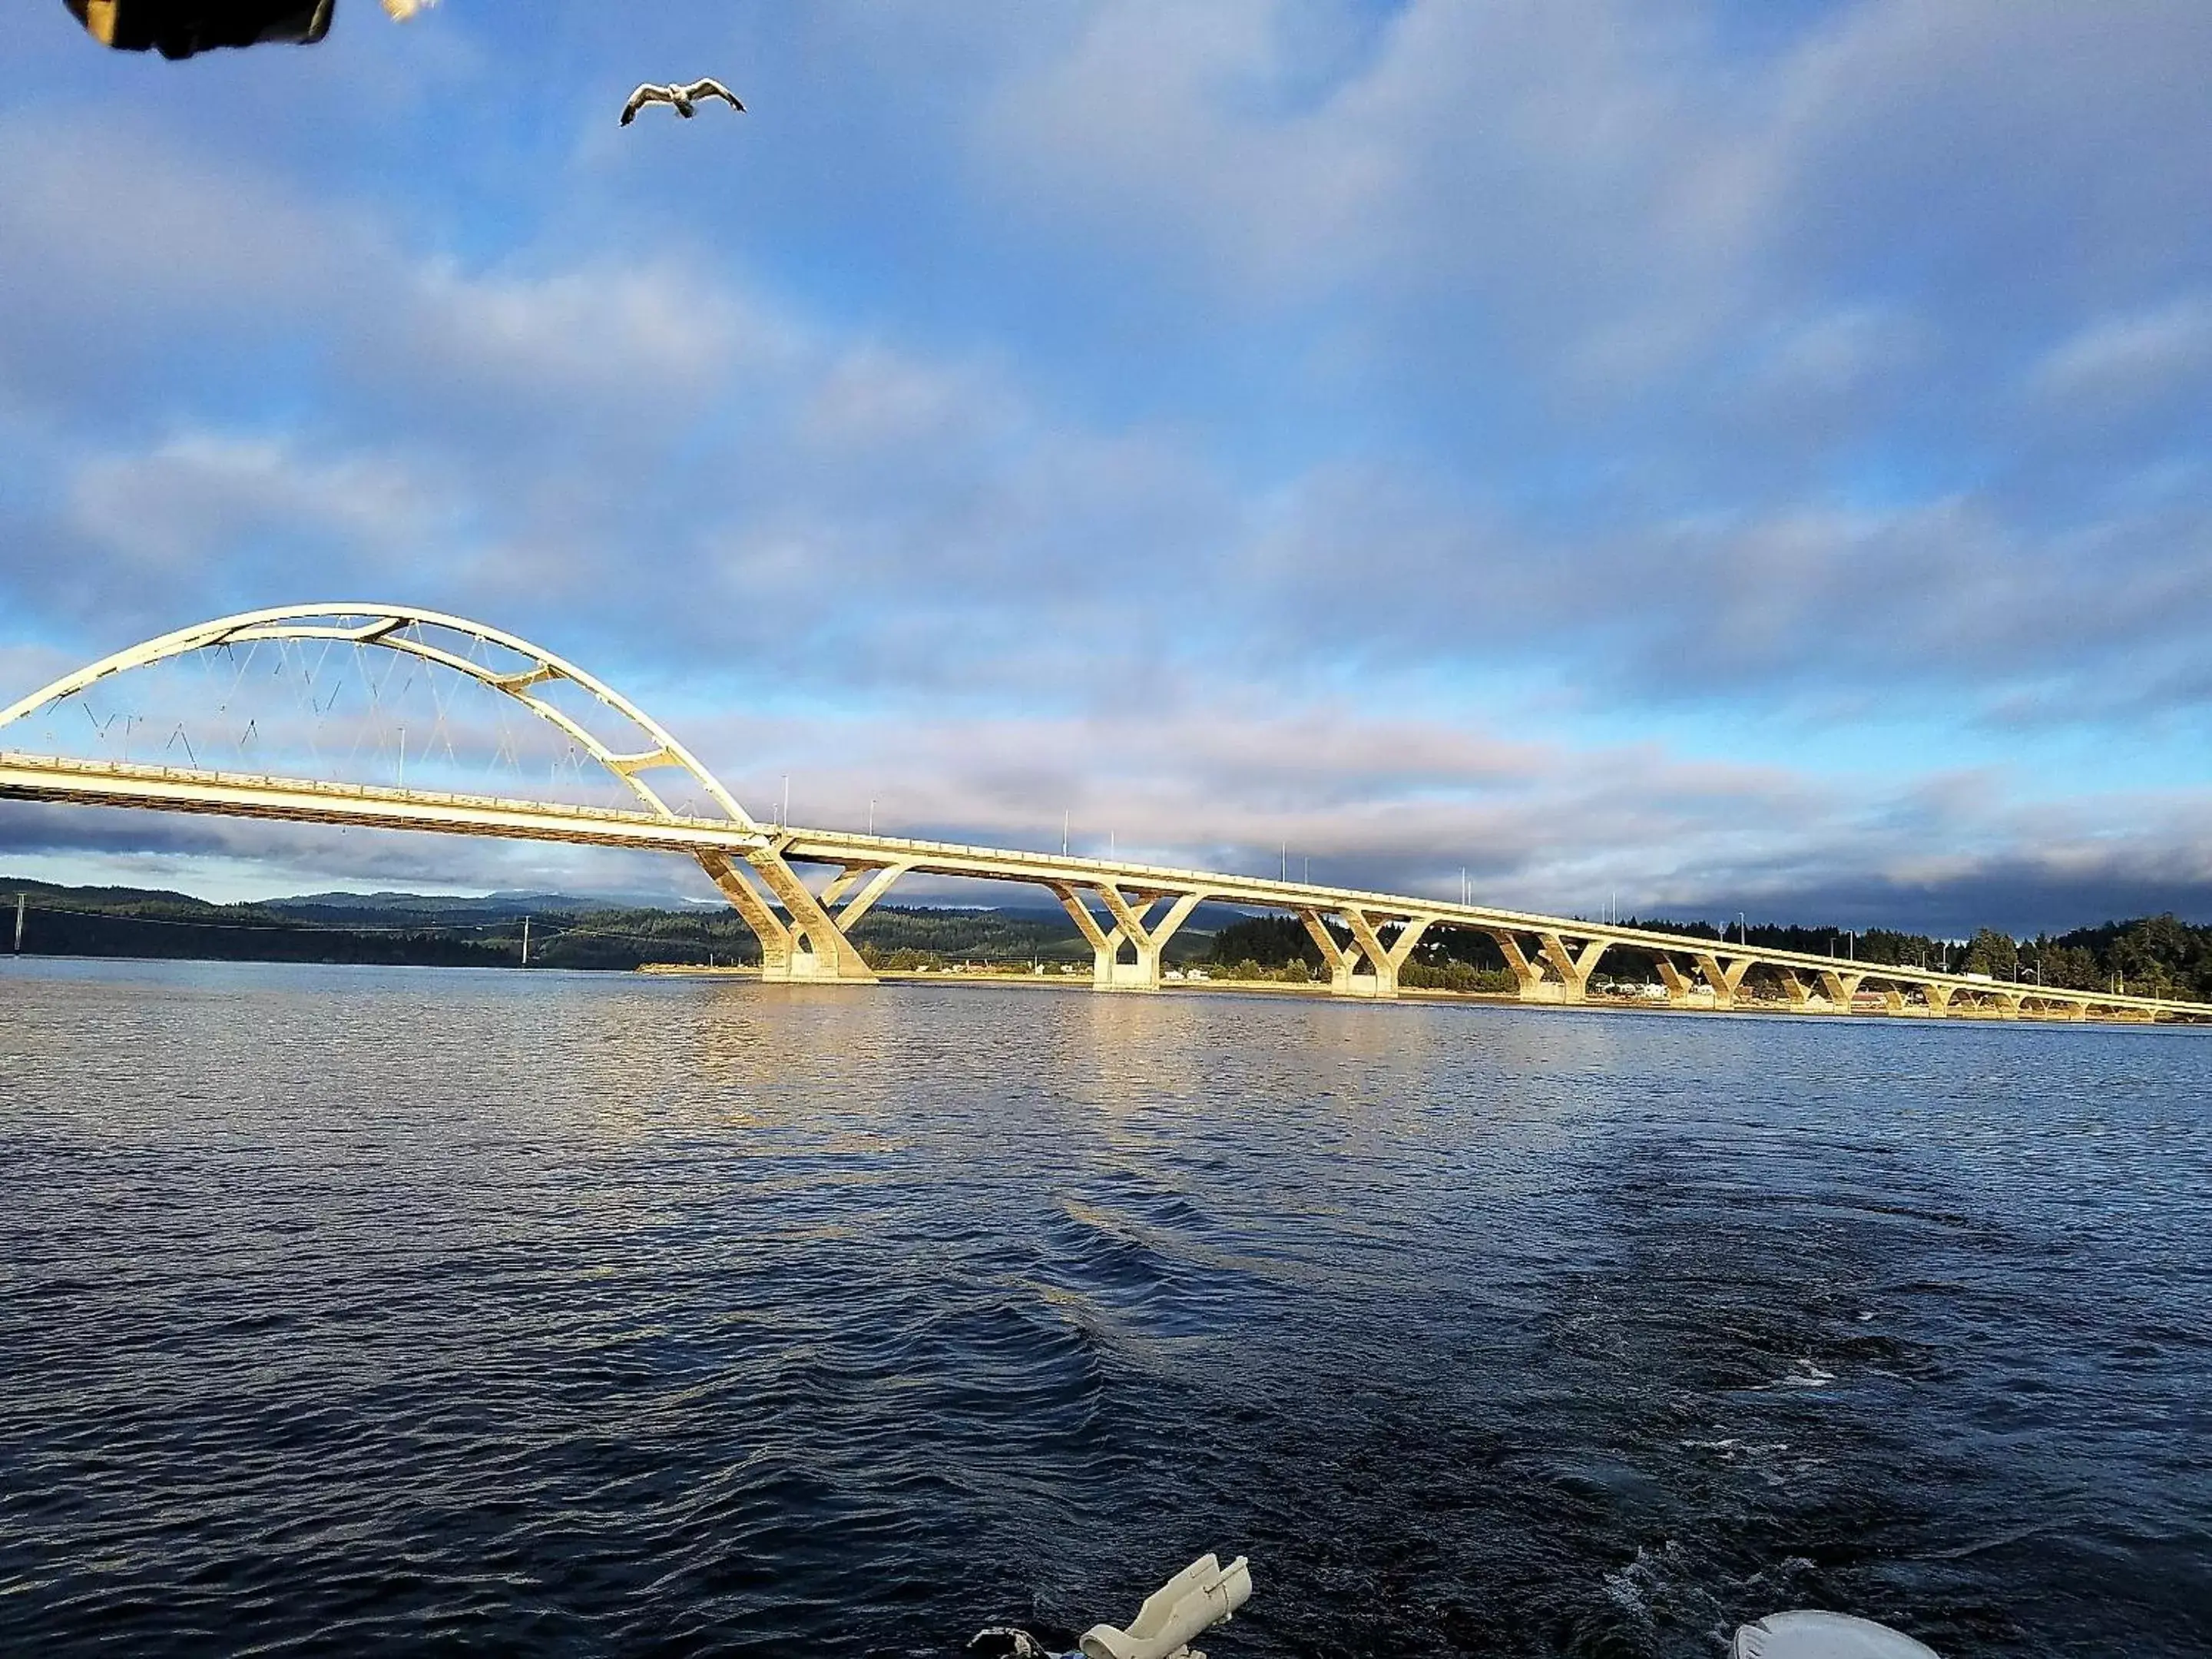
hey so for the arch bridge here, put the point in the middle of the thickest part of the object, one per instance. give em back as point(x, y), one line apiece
point(1127, 911)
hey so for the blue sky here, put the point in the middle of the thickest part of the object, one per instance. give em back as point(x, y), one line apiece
point(1730, 457)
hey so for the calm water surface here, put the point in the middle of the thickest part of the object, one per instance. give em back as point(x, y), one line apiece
point(362, 1311)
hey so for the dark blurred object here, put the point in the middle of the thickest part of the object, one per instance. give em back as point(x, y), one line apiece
point(178, 28)
point(1005, 1642)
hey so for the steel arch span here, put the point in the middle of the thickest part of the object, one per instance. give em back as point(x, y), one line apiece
point(396, 628)
point(802, 939)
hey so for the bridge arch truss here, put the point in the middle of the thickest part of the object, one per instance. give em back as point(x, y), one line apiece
point(796, 935)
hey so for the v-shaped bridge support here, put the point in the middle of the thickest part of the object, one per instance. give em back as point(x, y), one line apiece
point(799, 939)
point(1365, 967)
point(1143, 927)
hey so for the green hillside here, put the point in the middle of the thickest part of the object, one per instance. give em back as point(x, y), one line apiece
point(2159, 956)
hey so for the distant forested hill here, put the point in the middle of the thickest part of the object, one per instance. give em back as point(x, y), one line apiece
point(128, 922)
point(2154, 956)
point(408, 928)
point(2159, 956)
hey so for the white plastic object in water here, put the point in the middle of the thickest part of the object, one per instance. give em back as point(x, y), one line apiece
point(1203, 1594)
point(1825, 1636)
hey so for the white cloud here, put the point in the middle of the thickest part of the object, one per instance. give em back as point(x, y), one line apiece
point(652, 336)
point(2118, 364)
point(167, 510)
point(1611, 197)
point(1473, 143)
point(1440, 360)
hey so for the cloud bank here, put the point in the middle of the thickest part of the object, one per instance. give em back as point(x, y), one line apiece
point(1718, 456)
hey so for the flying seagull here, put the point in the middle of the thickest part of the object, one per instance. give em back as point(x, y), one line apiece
point(679, 96)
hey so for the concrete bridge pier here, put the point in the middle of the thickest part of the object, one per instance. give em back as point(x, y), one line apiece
point(1139, 928)
point(1385, 962)
point(1342, 961)
point(1723, 979)
point(1679, 991)
point(1366, 967)
point(802, 944)
point(1528, 981)
point(1726, 977)
point(1572, 968)
point(1557, 973)
point(1839, 988)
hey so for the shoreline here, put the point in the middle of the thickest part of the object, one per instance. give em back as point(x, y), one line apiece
point(1616, 1004)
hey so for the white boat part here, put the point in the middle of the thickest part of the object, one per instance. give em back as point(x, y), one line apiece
point(1203, 1594)
point(1825, 1636)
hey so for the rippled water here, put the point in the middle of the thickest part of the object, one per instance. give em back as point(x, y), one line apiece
point(357, 1311)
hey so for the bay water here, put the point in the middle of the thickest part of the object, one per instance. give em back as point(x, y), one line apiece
point(367, 1311)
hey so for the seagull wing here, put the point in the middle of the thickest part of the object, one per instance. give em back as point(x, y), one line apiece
point(643, 97)
point(714, 89)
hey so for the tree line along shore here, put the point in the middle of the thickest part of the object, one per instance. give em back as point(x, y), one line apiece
point(2152, 955)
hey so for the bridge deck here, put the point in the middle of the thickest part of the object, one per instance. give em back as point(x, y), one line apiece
point(239, 794)
point(954, 859)
point(32, 777)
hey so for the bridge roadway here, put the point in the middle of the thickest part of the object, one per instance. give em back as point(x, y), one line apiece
point(1127, 911)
